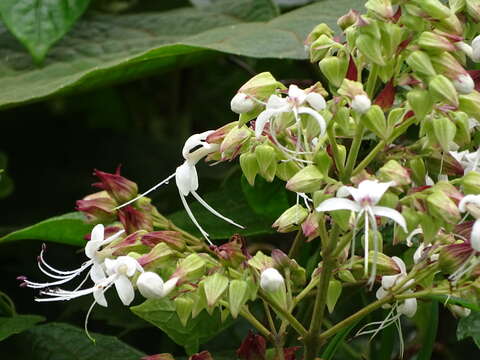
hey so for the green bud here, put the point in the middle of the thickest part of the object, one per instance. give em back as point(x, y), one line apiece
point(393, 171)
point(267, 161)
point(392, 36)
point(319, 30)
point(374, 120)
point(457, 5)
point(385, 73)
point(323, 161)
point(473, 9)
point(214, 287)
point(413, 22)
point(260, 261)
point(418, 170)
point(233, 141)
point(411, 217)
point(320, 47)
point(470, 104)
point(442, 207)
point(237, 296)
point(261, 86)
point(334, 68)
point(471, 183)
point(385, 264)
point(159, 254)
point(333, 294)
point(395, 117)
point(183, 308)
point(286, 170)
point(190, 268)
point(451, 257)
point(249, 166)
point(348, 19)
point(346, 276)
point(442, 88)
point(434, 8)
point(451, 24)
point(291, 219)
point(199, 301)
point(420, 62)
point(370, 48)
point(431, 41)
point(306, 180)
point(444, 130)
point(462, 122)
point(382, 8)
point(421, 103)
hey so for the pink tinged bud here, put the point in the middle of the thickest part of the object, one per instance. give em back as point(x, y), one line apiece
point(271, 280)
point(158, 357)
point(204, 355)
point(118, 187)
point(242, 103)
point(310, 226)
point(232, 252)
point(453, 256)
point(98, 210)
point(361, 104)
point(217, 136)
point(131, 243)
point(134, 220)
point(171, 238)
point(253, 347)
point(464, 84)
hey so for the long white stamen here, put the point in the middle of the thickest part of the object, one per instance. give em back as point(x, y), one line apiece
point(373, 275)
point(213, 211)
point(367, 241)
point(194, 220)
point(51, 268)
point(165, 181)
point(112, 238)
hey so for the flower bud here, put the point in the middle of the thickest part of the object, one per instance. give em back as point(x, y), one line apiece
point(462, 121)
point(306, 180)
point(418, 171)
point(385, 264)
point(160, 253)
point(261, 86)
point(98, 208)
point(444, 130)
point(420, 62)
point(134, 220)
point(271, 280)
point(310, 226)
point(131, 243)
point(434, 8)
point(286, 170)
point(431, 41)
point(334, 68)
point(361, 103)
point(374, 120)
point(237, 296)
point(118, 187)
point(204, 355)
point(319, 30)
point(214, 287)
point(441, 206)
point(320, 47)
point(291, 219)
point(370, 48)
point(393, 171)
point(242, 103)
point(443, 89)
point(150, 285)
point(421, 103)
point(453, 256)
point(457, 5)
point(267, 161)
point(348, 19)
point(408, 307)
point(470, 104)
point(451, 25)
point(249, 166)
point(459, 311)
point(382, 8)
point(233, 142)
point(473, 9)
point(232, 252)
point(173, 239)
point(471, 183)
point(346, 276)
point(191, 267)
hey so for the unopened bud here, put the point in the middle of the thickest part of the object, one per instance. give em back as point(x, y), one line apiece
point(370, 48)
point(470, 104)
point(306, 180)
point(173, 239)
point(434, 8)
point(420, 62)
point(464, 84)
point(382, 8)
point(348, 19)
point(471, 183)
point(444, 130)
point(134, 220)
point(158, 255)
point(118, 187)
point(374, 120)
point(267, 161)
point(441, 206)
point(443, 89)
point(421, 103)
point(150, 285)
point(457, 5)
point(320, 47)
point(291, 219)
point(261, 86)
point(233, 141)
point(435, 42)
point(271, 280)
point(191, 267)
point(242, 103)
point(453, 256)
point(361, 103)
point(214, 287)
point(319, 30)
point(419, 170)
point(459, 311)
point(408, 307)
point(473, 9)
point(334, 68)
point(249, 166)
point(98, 208)
point(393, 171)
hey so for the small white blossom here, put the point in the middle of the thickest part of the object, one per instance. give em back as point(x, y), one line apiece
point(361, 103)
point(152, 286)
point(271, 280)
point(470, 161)
point(242, 103)
point(464, 84)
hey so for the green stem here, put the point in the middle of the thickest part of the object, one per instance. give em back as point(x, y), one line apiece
point(247, 315)
point(336, 153)
point(297, 244)
point(270, 319)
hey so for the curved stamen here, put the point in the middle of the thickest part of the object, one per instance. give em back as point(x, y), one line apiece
point(213, 211)
point(194, 220)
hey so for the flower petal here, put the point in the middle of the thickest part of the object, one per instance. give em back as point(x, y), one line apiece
point(338, 204)
point(320, 120)
point(99, 295)
point(96, 273)
point(262, 120)
point(97, 233)
point(475, 237)
point(408, 308)
point(400, 264)
point(388, 281)
point(391, 214)
point(95, 241)
point(475, 199)
point(124, 289)
point(381, 293)
point(373, 189)
point(316, 101)
point(297, 94)
point(186, 178)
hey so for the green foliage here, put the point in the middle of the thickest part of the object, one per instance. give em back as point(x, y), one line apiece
point(198, 330)
point(38, 24)
point(67, 229)
point(17, 324)
point(429, 313)
point(470, 327)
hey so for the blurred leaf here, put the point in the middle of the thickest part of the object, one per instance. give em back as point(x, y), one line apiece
point(38, 24)
point(58, 341)
point(469, 327)
point(66, 229)
point(17, 324)
point(230, 201)
point(430, 334)
point(268, 199)
point(106, 49)
point(336, 341)
point(161, 313)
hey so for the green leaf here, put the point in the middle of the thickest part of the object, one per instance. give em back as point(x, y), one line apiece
point(38, 24)
point(57, 341)
point(107, 49)
point(469, 327)
point(268, 199)
point(17, 324)
point(161, 313)
point(430, 333)
point(334, 291)
point(67, 229)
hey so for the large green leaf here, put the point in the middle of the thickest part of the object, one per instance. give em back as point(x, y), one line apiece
point(230, 201)
point(161, 313)
point(67, 229)
point(17, 324)
point(105, 49)
point(469, 327)
point(57, 341)
point(38, 24)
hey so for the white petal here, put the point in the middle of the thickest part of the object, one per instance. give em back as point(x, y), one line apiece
point(96, 273)
point(110, 266)
point(400, 264)
point(320, 120)
point(124, 289)
point(99, 295)
point(262, 120)
point(97, 233)
point(96, 239)
point(150, 285)
point(409, 238)
point(381, 293)
point(338, 204)
point(193, 141)
point(316, 101)
point(408, 307)
point(361, 103)
point(417, 256)
point(186, 178)
point(388, 281)
point(373, 189)
point(241, 103)
point(276, 103)
point(475, 237)
point(170, 285)
point(391, 214)
point(475, 199)
point(297, 94)
point(271, 280)
point(476, 49)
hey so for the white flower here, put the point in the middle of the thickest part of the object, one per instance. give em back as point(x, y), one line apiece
point(476, 49)
point(464, 84)
point(271, 280)
point(365, 198)
point(242, 103)
point(470, 161)
point(361, 103)
point(152, 286)
point(96, 242)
